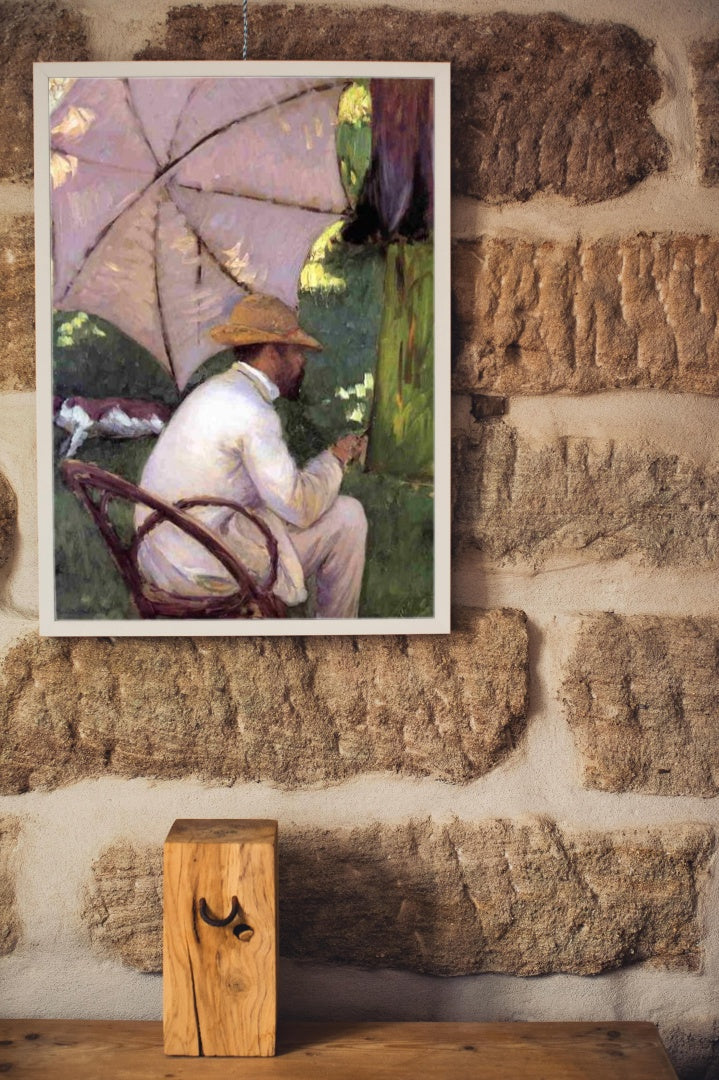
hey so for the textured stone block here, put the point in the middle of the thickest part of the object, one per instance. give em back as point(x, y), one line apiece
point(123, 905)
point(539, 102)
point(9, 919)
point(29, 34)
point(642, 697)
point(521, 897)
point(17, 303)
point(516, 500)
point(8, 519)
point(640, 311)
point(290, 711)
point(705, 61)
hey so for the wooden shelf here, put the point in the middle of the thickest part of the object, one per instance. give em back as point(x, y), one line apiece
point(119, 1050)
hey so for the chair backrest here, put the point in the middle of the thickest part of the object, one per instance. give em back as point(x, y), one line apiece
point(96, 489)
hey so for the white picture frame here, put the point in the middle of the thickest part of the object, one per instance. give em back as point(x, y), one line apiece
point(55, 621)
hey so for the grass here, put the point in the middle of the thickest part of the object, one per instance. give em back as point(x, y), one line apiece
point(87, 582)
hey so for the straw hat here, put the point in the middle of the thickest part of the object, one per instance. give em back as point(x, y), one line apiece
point(260, 318)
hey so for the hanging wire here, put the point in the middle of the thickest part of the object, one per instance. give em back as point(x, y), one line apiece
point(244, 29)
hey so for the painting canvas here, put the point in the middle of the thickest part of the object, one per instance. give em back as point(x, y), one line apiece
point(243, 348)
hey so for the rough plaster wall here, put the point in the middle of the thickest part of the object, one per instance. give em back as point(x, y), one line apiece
point(54, 968)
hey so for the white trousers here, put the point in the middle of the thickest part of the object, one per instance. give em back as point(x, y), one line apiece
point(333, 550)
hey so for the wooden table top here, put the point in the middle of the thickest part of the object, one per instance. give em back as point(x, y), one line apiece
point(120, 1050)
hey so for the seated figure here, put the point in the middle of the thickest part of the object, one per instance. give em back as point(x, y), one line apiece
point(226, 440)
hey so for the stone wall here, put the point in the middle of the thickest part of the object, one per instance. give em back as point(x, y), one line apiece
point(533, 795)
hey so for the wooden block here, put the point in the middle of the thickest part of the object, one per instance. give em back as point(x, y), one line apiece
point(220, 982)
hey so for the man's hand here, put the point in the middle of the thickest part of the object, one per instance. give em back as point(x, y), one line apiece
point(349, 448)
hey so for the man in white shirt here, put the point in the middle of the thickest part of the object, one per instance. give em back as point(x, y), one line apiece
point(225, 441)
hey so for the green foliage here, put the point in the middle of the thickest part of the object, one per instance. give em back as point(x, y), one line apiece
point(399, 572)
point(354, 136)
point(346, 322)
point(93, 358)
point(402, 437)
point(76, 330)
point(355, 105)
point(86, 579)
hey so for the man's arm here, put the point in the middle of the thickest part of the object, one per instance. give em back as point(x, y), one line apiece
point(297, 496)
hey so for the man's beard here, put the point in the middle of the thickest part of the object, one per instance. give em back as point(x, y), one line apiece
point(292, 392)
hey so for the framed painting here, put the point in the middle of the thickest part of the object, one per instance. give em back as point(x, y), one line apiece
point(243, 348)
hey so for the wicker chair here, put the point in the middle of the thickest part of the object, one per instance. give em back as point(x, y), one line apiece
point(96, 489)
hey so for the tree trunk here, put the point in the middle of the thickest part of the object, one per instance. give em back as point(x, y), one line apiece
point(402, 424)
point(398, 193)
point(395, 210)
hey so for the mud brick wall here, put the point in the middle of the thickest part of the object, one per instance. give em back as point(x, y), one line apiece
point(535, 794)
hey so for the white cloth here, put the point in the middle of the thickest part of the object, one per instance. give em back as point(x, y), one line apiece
point(333, 550)
point(225, 441)
point(270, 388)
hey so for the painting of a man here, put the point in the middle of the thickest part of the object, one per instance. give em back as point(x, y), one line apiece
point(246, 349)
point(226, 441)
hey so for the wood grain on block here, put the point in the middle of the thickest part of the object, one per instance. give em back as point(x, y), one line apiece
point(17, 302)
point(539, 102)
point(536, 317)
point(590, 498)
point(289, 711)
point(642, 699)
point(72, 1049)
point(220, 981)
point(520, 897)
point(705, 61)
point(29, 33)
